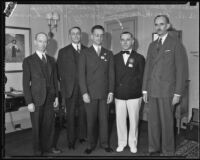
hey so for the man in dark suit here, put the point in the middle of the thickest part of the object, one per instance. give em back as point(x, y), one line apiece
point(96, 77)
point(129, 68)
point(163, 86)
point(67, 63)
point(40, 88)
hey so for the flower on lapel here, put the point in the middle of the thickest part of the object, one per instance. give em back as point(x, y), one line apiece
point(131, 62)
point(103, 57)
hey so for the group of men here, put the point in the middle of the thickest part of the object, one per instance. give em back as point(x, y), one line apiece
point(91, 78)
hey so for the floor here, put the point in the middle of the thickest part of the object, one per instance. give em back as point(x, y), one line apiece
point(20, 143)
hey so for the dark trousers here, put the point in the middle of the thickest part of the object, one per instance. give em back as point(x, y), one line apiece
point(97, 121)
point(42, 120)
point(75, 104)
point(161, 125)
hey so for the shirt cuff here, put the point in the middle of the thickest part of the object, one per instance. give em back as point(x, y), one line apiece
point(144, 92)
point(177, 95)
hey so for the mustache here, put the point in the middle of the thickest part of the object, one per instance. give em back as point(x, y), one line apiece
point(159, 29)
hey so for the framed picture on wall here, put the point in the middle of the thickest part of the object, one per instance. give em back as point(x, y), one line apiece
point(17, 47)
point(177, 34)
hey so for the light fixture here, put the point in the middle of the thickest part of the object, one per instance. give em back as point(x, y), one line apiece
point(52, 18)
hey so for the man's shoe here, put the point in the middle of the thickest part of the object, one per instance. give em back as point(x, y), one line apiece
point(155, 153)
point(82, 140)
point(88, 151)
point(133, 150)
point(119, 149)
point(108, 149)
point(55, 151)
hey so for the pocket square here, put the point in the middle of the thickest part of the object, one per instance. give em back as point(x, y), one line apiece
point(167, 50)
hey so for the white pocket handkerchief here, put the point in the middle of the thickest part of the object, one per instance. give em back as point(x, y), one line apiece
point(166, 51)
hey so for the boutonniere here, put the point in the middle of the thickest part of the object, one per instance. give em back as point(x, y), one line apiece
point(103, 57)
point(131, 62)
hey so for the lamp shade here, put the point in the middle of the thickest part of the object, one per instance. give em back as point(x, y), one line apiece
point(49, 15)
point(55, 16)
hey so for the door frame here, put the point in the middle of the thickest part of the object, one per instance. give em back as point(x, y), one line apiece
point(122, 20)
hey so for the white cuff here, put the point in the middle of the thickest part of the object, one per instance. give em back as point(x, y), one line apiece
point(177, 95)
point(144, 92)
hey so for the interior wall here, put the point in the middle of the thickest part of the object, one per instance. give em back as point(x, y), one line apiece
point(183, 17)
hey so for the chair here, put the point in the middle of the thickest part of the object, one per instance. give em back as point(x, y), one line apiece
point(181, 109)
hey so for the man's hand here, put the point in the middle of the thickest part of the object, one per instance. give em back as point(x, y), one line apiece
point(56, 103)
point(176, 99)
point(145, 97)
point(110, 98)
point(86, 98)
point(31, 107)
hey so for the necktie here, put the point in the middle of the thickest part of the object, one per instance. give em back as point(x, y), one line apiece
point(78, 49)
point(125, 52)
point(44, 59)
point(159, 44)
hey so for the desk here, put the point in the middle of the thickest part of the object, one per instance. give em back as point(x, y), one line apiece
point(14, 103)
point(17, 116)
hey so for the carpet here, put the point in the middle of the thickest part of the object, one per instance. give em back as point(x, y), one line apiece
point(188, 149)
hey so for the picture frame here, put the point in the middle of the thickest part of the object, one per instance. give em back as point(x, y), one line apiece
point(17, 47)
point(177, 34)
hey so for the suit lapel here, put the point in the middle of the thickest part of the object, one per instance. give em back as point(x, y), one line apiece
point(37, 63)
point(130, 57)
point(49, 65)
point(160, 53)
point(95, 57)
point(82, 47)
point(126, 71)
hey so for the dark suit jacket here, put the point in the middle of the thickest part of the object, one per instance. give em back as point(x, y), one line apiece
point(67, 69)
point(96, 73)
point(128, 78)
point(34, 82)
point(164, 72)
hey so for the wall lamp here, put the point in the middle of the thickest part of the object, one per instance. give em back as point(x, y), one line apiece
point(52, 18)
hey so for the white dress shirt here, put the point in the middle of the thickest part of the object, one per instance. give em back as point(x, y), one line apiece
point(75, 46)
point(163, 38)
point(126, 56)
point(97, 48)
point(39, 53)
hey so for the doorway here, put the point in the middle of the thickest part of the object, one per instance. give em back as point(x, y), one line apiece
point(114, 28)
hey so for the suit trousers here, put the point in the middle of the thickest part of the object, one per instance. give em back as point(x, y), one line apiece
point(42, 120)
point(161, 125)
point(75, 105)
point(97, 122)
point(133, 108)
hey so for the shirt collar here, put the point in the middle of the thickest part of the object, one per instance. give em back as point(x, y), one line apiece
point(75, 45)
point(164, 37)
point(39, 53)
point(96, 47)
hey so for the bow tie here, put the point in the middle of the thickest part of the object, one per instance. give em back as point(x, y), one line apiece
point(126, 52)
